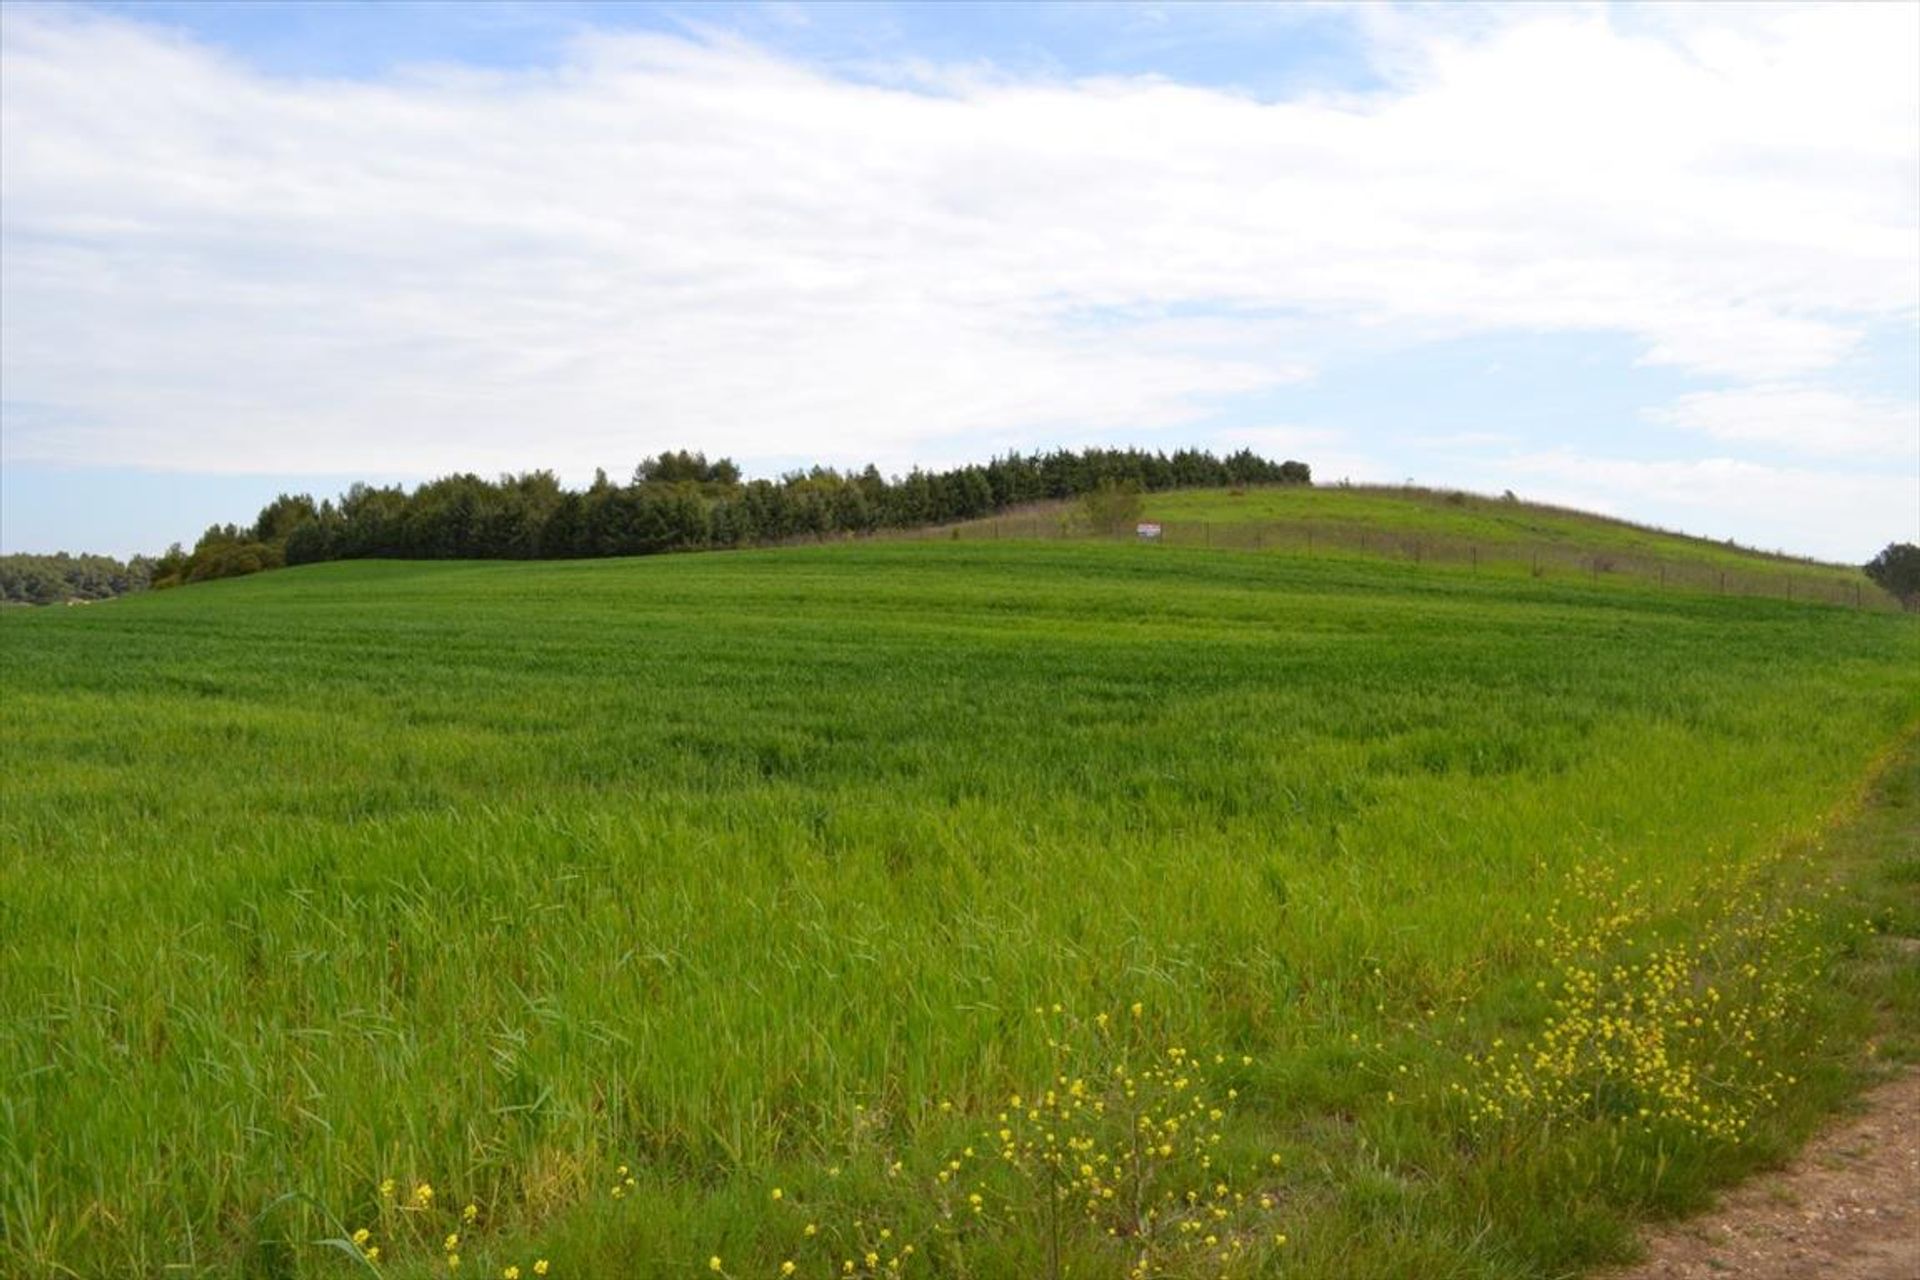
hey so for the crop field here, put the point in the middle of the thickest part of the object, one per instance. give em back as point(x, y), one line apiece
point(956, 909)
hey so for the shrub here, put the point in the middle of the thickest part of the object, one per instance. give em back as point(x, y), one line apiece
point(1113, 507)
point(1896, 570)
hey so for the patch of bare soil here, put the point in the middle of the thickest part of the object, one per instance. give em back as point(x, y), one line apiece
point(1847, 1208)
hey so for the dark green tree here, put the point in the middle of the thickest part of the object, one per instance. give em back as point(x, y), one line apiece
point(283, 515)
point(1896, 570)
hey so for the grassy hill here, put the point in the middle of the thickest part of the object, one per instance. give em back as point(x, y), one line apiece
point(1451, 517)
point(1200, 914)
point(1449, 527)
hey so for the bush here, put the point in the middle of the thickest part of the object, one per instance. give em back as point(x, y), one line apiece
point(1113, 507)
point(1896, 570)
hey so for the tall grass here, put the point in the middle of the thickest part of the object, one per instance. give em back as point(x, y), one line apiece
point(605, 896)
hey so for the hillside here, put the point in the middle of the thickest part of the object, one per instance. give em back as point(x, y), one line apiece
point(701, 913)
point(1434, 527)
point(1455, 517)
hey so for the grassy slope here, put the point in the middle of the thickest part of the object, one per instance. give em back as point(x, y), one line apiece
point(731, 868)
point(1470, 520)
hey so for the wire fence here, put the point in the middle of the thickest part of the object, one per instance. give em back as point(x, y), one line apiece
point(1787, 580)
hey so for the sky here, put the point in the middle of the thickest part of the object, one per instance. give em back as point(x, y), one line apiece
point(1657, 261)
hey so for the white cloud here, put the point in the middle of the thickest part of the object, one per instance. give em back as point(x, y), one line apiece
point(1805, 419)
point(664, 241)
point(1331, 453)
point(1464, 440)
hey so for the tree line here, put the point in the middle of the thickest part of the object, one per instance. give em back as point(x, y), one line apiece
point(30, 579)
point(675, 501)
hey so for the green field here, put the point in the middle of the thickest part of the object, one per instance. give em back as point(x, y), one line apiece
point(664, 909)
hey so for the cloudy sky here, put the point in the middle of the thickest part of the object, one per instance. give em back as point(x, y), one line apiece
point(1662, 262)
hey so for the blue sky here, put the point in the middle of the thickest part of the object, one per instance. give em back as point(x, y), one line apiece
point(1266, 50)
point(1660, 261)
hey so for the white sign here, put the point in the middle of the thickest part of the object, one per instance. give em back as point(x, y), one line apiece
point(1147, 530)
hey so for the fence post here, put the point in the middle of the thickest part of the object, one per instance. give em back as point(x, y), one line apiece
point(1474, 554)
point(1536, 562)
point(1206, 530)
point(1723, 582)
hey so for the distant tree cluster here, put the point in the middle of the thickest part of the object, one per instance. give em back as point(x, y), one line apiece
point(229, 551)
point(676, 501)
point(26, 579)
point(1896, 570)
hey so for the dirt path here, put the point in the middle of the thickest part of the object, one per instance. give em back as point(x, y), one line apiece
point(1847, 1208)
